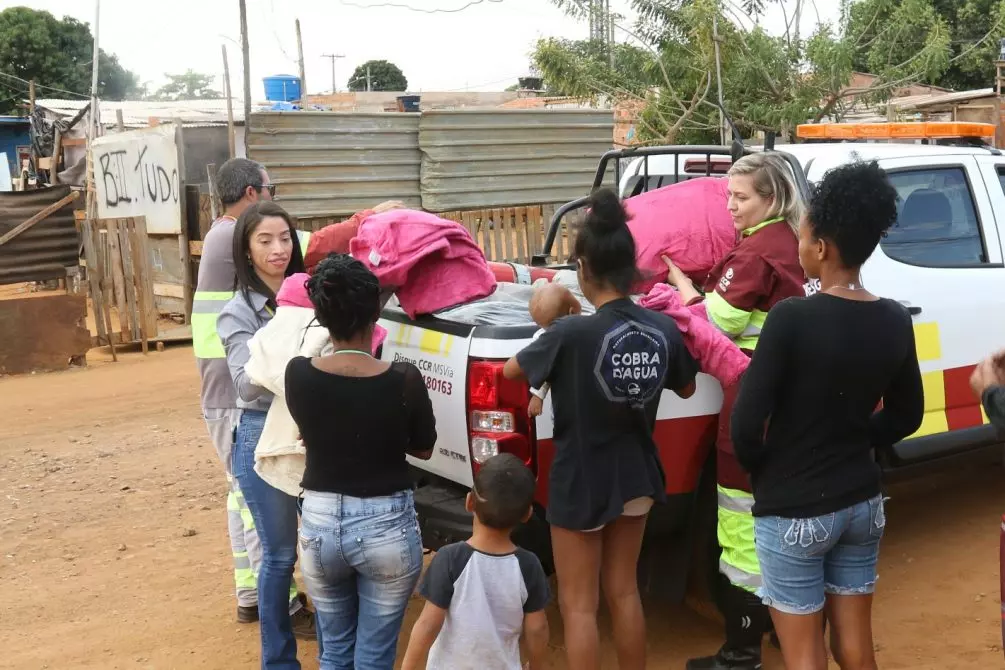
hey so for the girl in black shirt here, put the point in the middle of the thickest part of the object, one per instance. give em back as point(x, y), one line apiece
point(360, 546)
point(607, 372)
point(822, 367)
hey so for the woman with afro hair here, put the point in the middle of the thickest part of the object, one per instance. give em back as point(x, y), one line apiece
point(806, 426)
point(360, 546)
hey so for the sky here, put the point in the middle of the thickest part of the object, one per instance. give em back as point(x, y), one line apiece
point(484, 46)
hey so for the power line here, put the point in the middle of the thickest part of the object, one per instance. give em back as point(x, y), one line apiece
point(487, 83)
point(275, 34)
point(49, 88)
point(471, 3)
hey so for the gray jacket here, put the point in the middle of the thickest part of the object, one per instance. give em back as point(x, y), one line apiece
point(237, 323)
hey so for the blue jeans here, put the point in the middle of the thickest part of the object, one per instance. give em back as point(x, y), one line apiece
point(804, 560)
point(361, 559)
point(275, 515)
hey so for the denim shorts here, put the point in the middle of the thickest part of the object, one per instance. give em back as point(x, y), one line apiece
point(804, 560)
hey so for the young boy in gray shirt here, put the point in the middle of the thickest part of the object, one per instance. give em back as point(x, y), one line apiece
point(483, 593)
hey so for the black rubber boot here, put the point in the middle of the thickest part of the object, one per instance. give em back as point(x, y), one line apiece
point(747, 620)
point(729, 659)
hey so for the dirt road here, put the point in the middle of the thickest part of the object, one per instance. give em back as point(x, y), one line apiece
point(113, 550)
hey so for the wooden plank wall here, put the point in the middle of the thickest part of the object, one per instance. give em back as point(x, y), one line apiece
point(516, 234)
point(510, 234)
point(117, 253)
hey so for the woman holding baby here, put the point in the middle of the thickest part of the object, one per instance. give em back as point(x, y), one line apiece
point(607, 372)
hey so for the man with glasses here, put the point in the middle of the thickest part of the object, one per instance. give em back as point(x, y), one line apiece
point(239, 183)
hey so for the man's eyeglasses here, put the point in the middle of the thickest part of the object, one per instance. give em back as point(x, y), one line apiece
point(271, 188)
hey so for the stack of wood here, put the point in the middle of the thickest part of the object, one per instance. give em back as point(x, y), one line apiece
point(117, 255)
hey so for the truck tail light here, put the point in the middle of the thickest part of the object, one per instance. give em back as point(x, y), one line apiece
point(497, 414)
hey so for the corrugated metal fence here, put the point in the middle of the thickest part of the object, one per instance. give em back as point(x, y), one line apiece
point(331, 164)
point(45, 250)
point(506, 158)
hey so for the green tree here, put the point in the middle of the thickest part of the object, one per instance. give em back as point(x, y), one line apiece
point(189, 85)
point(973, 28)
point(57, 54)
point(770, 81)
point(382, 75)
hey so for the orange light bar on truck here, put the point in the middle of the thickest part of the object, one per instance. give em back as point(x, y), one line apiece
point(929, 130)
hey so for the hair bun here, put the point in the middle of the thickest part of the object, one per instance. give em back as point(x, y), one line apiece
point(606, 213)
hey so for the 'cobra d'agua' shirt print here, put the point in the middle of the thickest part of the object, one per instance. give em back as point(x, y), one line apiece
point(607, 372)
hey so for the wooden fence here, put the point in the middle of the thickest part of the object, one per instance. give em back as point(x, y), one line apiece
point(120, 280)
point(516, 234)
point(511, 234)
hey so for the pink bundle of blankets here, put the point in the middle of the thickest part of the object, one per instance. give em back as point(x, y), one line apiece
point(430, 263)
point(716, 354)
point(688, 221)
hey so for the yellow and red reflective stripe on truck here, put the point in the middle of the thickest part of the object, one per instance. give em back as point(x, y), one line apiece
point(949, 402)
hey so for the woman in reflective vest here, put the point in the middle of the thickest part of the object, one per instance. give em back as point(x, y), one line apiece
point(762, 270)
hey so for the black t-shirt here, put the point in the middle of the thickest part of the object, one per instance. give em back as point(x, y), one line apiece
point(607, 372)
point(821, 368)
point(357, 430)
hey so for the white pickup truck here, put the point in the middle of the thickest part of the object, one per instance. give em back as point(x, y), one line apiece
point(944, 260)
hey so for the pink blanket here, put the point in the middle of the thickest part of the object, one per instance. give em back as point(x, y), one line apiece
point(429, 262)
point(687, 221)
point(293, 293)
point(716, 354)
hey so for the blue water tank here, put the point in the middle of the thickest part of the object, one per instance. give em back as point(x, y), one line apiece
point(282, 88)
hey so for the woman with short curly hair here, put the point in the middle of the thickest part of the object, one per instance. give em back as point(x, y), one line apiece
point(805, 425)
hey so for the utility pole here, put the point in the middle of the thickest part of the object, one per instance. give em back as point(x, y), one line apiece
point(333, 57)
point(610, 34)
point(246, 59)
point(369, 80)
point(303, 76)
point(718, 77)
point(31, 96)
point(231, 141)
point(600, 20)
point(797, 21)
point(92, 126)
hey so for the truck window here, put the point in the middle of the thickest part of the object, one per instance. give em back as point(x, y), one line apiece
point(637, 185)
point(937, 223)
point(1001, 177)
